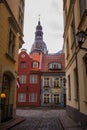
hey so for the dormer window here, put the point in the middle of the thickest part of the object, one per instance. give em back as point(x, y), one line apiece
point(55, 66)
point(35, 64)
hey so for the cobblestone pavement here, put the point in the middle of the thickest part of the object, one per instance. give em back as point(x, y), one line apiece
point(39, 120)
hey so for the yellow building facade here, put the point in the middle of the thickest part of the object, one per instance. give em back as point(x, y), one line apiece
point(11, 39)
point(75, 20)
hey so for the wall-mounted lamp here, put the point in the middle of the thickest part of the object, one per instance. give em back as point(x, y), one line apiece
point(2, 95)
point(81, 36)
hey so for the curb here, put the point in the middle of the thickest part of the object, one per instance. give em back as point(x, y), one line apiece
point(8, 125)
point(68, 124)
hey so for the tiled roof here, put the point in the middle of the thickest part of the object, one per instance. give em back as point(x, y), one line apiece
point(48, 58)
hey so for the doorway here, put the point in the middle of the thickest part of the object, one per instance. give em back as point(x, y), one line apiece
point(6, 107)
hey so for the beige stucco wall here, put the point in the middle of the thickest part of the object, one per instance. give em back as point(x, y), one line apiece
point(14, 5)
point(6, 64)
point(82, 79)
point(71, 61)
point(4, 38)
point(70, 72)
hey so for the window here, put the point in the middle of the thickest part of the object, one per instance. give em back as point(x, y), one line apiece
point(23, 64)
point(65, 16)
point(67, 49)
point(33, 79)
point(72, 34)
point(6, 82)
point(35, 64)
point(33, 97)
point(85, 76)
point(22, 4)
point(21, 13)
point(46, 82)
point(56, 82)
point(46, 98)
point(69, 88)
point(54, 66)
point(20, 18)
point(82, 7)
point(21, 97)
point(11, 45)
point(23, 79)
point(64, 81)
point(76, 84)
point(56, 98)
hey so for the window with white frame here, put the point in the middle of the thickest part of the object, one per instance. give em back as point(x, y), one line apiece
point(23, 79)
point(21, 97)
point(56, 98)
point(33, 79)
point(33, 97)
point(46, 98)
point(35, 64)
point(46, 82)
point(56, 82)
point(55, 66)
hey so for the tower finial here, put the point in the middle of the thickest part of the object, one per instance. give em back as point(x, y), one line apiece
point(39, 17)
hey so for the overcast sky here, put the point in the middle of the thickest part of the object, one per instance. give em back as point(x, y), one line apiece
point(51, 17)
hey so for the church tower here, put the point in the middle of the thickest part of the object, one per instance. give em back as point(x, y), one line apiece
point(39, 45)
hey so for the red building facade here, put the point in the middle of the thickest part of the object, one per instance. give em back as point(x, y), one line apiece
point(28, 94)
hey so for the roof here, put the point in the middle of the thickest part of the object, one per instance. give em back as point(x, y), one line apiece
point(49, 58)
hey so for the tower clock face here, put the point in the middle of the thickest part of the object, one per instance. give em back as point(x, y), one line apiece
point(23, 55)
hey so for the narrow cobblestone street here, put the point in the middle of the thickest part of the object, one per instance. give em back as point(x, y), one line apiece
point(39, 120)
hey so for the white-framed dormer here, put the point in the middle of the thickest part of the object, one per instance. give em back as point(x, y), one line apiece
point(35, 64)
point(54, 66)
